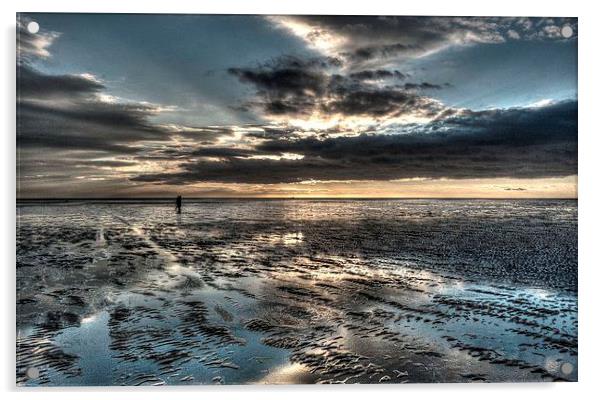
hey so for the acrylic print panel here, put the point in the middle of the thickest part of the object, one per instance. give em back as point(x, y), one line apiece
point(219, 199)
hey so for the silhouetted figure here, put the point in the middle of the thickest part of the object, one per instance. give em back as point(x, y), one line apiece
point(179, 204)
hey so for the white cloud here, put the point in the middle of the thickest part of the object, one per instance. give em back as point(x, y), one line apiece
point(33, 44)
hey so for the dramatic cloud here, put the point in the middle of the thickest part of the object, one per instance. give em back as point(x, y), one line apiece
point(69, 129)
point(65, 111)
point(310, 101)
point(35, 85)
point(519, 143)
point(381, 52)
point(378, 75)
point(361, 39)
point(293, 88)
point(202, 135)
point(72, 111)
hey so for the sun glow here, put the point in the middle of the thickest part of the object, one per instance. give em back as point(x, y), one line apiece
point(322, 40)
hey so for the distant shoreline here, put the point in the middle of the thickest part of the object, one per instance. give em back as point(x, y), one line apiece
point(164, 200)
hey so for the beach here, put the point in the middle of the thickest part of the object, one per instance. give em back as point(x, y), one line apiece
point(296, 291)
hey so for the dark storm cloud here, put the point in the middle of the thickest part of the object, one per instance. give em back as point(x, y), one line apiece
point(518, 143)
point(106, 163)
point(55, 141)
point(292, 61)
point(91, 125)
point(380, 102)
point(361, 39)
point(273, 133)
point(40, 86)
point(67, 164)
point(68, 112)
point(284, 82)
point(224, 152)
point(298, 89)
point(164, 154)
point(462, 134)
point(382, 51)
point(121, 122)
point(204, 134)
point(424, 86)
point(293, 133)
point(238, 170)
point(378, 74)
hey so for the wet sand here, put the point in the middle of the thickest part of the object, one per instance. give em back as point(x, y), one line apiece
point(242, 292)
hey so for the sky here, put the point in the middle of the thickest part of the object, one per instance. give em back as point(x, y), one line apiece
point(122, 105)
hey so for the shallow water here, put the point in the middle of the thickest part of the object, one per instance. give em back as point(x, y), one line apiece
point(295, 291)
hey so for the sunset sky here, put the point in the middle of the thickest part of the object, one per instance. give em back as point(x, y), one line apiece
point(114, 105)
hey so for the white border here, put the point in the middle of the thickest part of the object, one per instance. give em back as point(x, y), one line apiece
point(590, 68)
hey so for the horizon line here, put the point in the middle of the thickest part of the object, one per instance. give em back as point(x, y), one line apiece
point(42, 199)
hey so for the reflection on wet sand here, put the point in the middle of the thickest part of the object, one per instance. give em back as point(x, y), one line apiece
point(235, 292)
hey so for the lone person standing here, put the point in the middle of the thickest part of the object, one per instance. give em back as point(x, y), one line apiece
point(179, 204)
